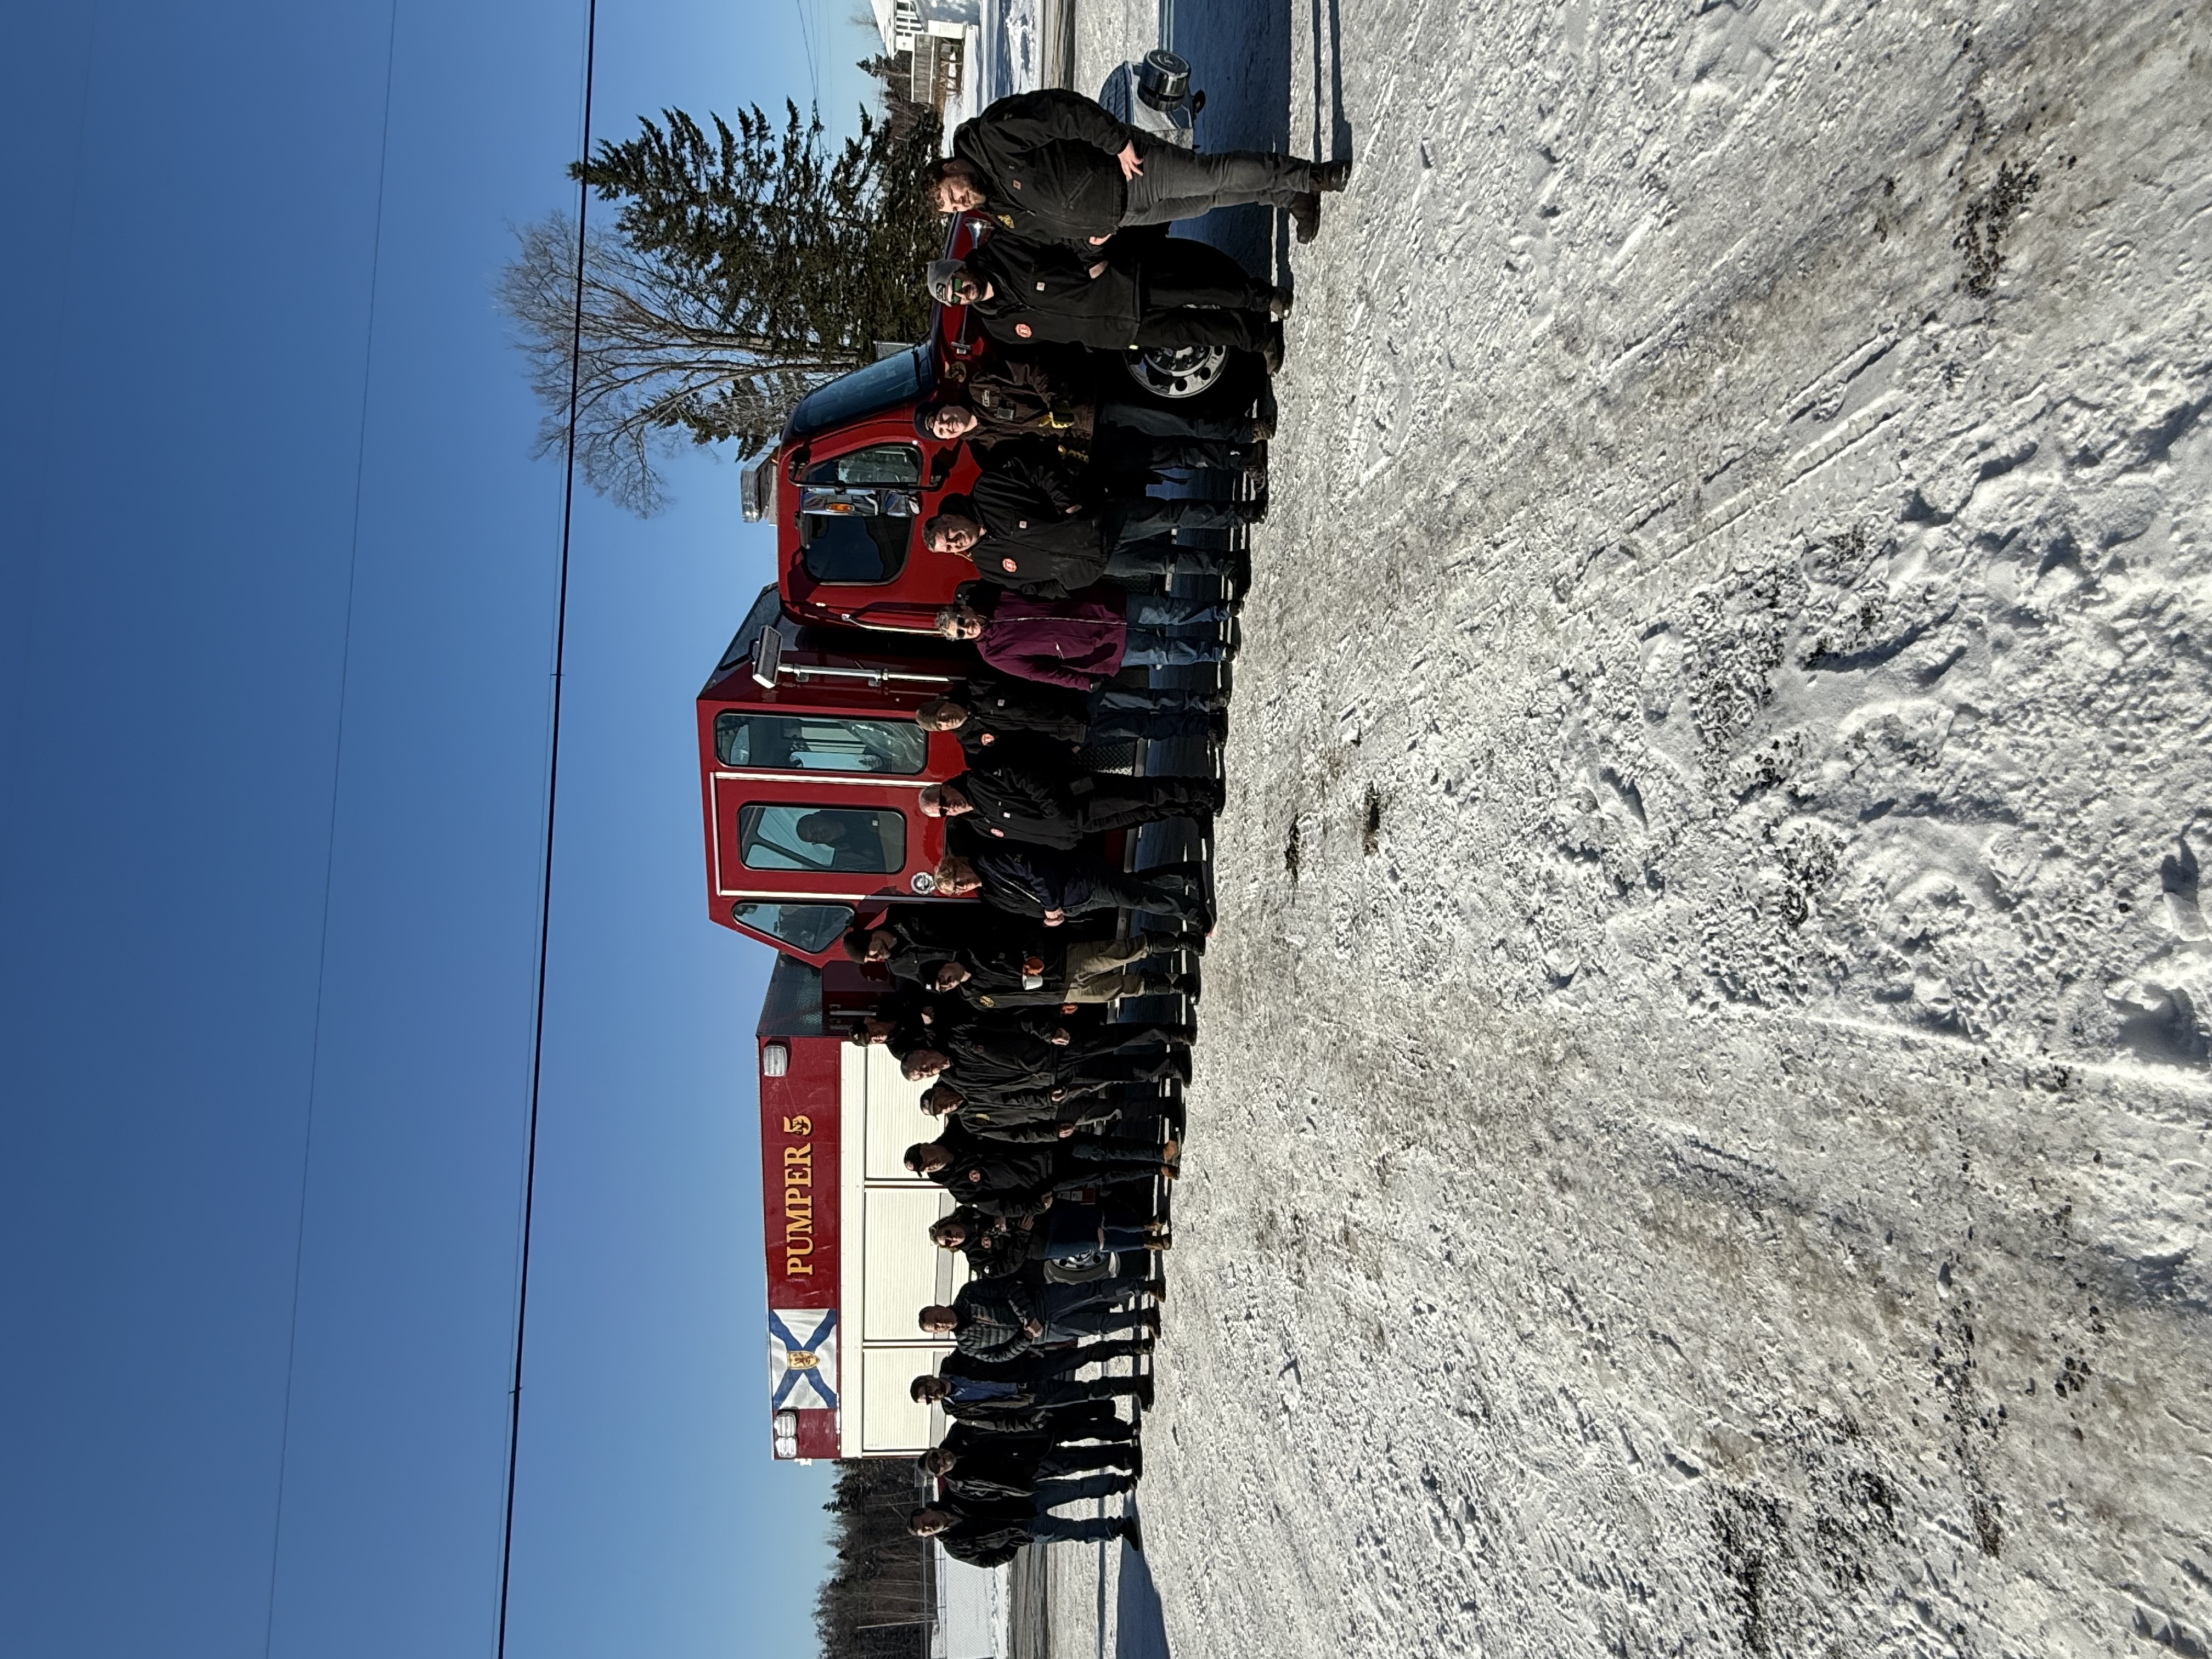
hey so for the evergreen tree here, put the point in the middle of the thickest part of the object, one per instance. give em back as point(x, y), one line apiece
point(744, 267)
point(876, 1603)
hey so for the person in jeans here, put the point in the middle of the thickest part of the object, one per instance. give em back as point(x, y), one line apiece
point(1024, 295)
point(990, 1535)
point(1088, 637)
point(985, 712)
point(1044, 883)
point(1028, 523)
point(1056, 166)
point(1015, 396)
point(1001, 1319)
point(1016, 1469)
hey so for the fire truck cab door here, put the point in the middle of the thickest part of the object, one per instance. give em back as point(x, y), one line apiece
point(820, 805)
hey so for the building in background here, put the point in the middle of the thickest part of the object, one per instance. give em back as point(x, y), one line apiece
point(937, 40)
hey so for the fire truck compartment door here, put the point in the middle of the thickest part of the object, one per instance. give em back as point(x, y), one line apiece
point(898, 1262)
point(891, 1422)
point(878, 1096)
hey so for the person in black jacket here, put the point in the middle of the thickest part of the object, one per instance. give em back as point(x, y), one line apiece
point(1057, 806)
point(1025, 523)
point(946, 927)
point(993, 1247)
point(1001, 1178)
point(1012, 1467)
point(1031, 1117)
point(1045, 1364)
point(992, 1534)
point(1037, 881)
point(1058, 1427)
point(1007, 1056)
point(1044, 975)
point(996, 1247)
point(989, 1486)
point(1024, 295)
point(1056, 166)
point(1053, 1406)
point(1032, 972)
point(987, 713)
point(1017, 395)
point(1002, 1319)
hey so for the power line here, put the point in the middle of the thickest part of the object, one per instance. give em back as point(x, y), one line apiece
point(806, 39)
point(552, 798)
point(330, 838)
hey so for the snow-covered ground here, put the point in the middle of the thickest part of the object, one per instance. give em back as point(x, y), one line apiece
point(1700, 1143)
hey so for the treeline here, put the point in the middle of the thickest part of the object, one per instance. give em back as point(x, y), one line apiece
point(878, 1594)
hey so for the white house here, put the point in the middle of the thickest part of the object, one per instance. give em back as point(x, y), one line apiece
point(900, 22)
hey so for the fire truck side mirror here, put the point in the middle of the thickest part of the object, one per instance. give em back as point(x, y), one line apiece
point(768, 657)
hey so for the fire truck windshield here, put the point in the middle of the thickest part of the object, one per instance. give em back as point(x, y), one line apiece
point(819, 743)
point(902, 379)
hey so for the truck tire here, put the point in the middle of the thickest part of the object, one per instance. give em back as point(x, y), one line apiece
point(1230, 385)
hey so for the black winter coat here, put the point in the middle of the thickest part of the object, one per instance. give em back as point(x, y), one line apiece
point(1039, 534)
point(998, 1060)
point(985, 1543)
point(993, 1315)
point(1031, 880)
point(1026, 1118)
point(1048, 167)
point(1000, 711)
point(1024, 803)
point(1002, 1179)
point(1047, 296)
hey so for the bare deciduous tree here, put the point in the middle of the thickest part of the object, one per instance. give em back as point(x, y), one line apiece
point(656, 367)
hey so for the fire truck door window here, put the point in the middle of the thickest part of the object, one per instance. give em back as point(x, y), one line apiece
point(863, 538)
point(819, 743)
point(863, 840)
point(808, 928)
point(857, 548)
point(878, 464)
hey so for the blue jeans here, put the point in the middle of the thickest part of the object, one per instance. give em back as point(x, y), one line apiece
point(1160, 555)
point(1156, 515)
point(1150, 648)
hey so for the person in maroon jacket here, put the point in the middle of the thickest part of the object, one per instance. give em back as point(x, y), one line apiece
point(1088, 637)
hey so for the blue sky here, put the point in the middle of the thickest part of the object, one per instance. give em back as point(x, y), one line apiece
point(193, 215)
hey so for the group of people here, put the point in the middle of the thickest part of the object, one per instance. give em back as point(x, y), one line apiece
point(1055, 1125)
point(1058, 1128)
point(1069, 187)
point(1070, 552)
